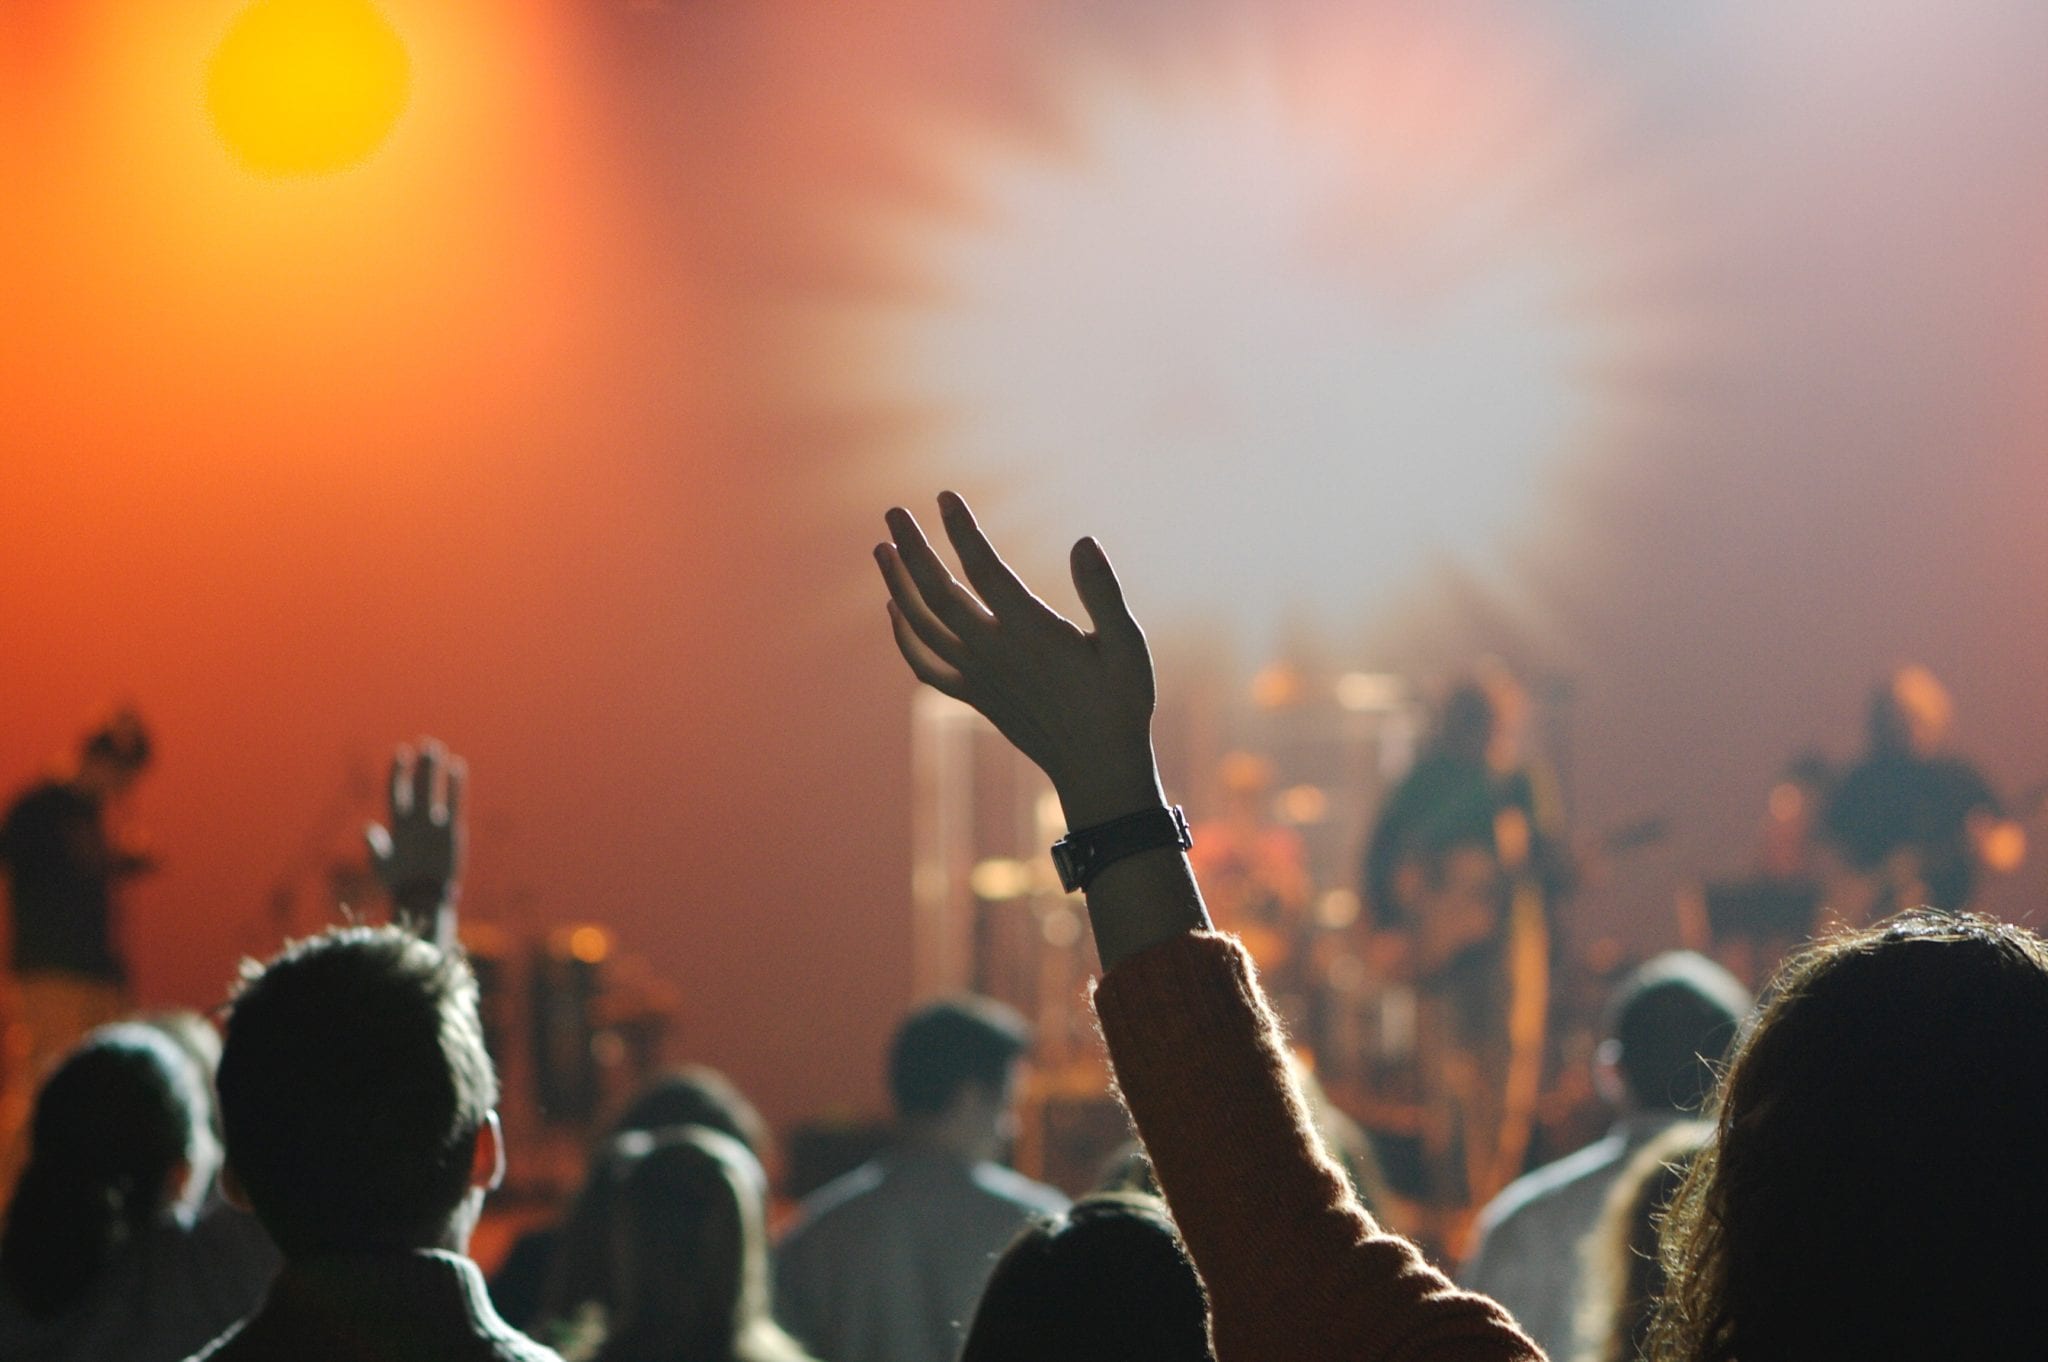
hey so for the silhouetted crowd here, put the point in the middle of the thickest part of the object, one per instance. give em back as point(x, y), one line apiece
point(1853, 1168)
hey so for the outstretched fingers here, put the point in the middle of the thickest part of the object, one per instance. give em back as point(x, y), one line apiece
point(926, 665)
point(401, 781)
point(429, 797)
point(454, 782)
point(917, 617)
point(944, 598)
point(1103, 597)
point(1005, 592)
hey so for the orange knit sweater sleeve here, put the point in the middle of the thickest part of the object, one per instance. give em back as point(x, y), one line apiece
point(1296, 1270)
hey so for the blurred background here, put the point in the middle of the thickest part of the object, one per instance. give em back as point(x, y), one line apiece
point(1687, 356)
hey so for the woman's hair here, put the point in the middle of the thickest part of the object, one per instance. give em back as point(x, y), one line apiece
point(1622, 1273)
point(1878, 1181)
point(691, 1096)
point(114, 1120)
point(696, 1095)
point(1104, 1282)
point(689, 1252)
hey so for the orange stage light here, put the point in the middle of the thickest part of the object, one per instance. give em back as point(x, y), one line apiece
point(307, 87)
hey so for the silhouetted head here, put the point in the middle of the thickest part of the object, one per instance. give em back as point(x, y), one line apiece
point(1669, 1026)
point(118, 1134)
point(952, 1069)
point(356, 1094)
point(1910, 713)
point(114, 755)
point(696, 1095)
point(1466, 726)
point(1105, 1282)
point(1483, 717)
point(688, 1250)
point(1877, 1186)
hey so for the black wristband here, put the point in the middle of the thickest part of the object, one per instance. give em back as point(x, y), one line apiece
point(1083, 854)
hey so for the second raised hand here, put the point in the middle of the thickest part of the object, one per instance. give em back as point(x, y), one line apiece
point(1078, 703)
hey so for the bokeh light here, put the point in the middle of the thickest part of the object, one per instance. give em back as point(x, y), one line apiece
point(1294, 324)
point(307, 87)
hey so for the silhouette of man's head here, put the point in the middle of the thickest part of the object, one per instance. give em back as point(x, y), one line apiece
point(1669, 1026)
point(356, 1095)
point(1467, 725)
point(954, 1062)
point(113, 755)
point(1911, 713)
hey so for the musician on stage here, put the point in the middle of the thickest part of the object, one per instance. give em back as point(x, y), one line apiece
point(65, 871)
point(1912, 823)
point(1464, 862)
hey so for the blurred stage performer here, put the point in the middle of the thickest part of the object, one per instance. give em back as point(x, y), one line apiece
point(1462, 869)
point(65, 871)
point(1254, 873)
point(1910, 823)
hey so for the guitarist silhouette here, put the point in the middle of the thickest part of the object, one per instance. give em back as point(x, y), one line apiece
point(1910, 823)
point(1464, 863)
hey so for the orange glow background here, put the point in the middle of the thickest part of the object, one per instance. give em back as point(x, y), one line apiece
point(518, 434)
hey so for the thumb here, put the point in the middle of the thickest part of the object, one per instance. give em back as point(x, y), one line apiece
point(1103, 597)
point(379, 841)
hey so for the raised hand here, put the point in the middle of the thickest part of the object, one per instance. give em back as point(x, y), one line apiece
point(418, 856)
point(1077, 703)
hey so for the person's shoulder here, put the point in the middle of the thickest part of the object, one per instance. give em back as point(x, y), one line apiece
point(1527, 1196)
point(1960, 776)
point(1007, 1184)
point(45, 799)
point(844, 1198)
point(513, 1346)
point(227, 1348)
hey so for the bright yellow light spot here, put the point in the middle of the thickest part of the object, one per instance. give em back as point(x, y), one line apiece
point(1371, 692)
point(1336, 909)
point(590, 944)
point(1276, 686)
point(307, 87)
point(1303, 805)
point(2005, 846)
point(999, 878)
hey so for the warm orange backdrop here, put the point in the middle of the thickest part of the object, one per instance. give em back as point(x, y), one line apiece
point(508, 436)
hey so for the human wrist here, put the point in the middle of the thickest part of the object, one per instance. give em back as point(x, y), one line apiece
point(1090, 799)
point(422, 894)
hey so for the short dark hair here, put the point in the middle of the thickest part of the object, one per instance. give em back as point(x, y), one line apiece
point(944, 1046)
point(1675, 1018)
point(353, 1083)
point(1105, 1280)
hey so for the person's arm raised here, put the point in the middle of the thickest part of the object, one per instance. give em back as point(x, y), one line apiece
point(1295, 1268)
point(1078, 703)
